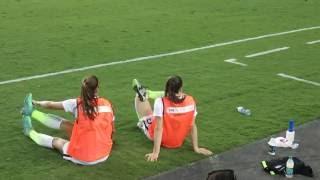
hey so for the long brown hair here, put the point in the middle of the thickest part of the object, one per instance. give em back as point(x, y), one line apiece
point(89, 89)
point(173, 86)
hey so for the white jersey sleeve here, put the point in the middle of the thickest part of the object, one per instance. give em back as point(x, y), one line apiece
point(158, 108)
point(70, 106)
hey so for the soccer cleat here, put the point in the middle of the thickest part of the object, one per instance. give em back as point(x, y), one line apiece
point(26, 123)
point(27, 105)
point(140, 90)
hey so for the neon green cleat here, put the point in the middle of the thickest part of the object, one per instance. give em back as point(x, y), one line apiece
point(27, 105)
point(140, 90)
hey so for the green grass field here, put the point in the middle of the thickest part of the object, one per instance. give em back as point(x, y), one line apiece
point(39, 37)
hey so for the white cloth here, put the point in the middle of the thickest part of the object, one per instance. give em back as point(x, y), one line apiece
point(158, 108)
point(282, 142)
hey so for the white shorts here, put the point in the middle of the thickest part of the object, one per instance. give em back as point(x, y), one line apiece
point(145, 123)
point(66, 156)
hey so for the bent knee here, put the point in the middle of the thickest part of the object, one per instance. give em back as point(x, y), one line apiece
point(58, 143)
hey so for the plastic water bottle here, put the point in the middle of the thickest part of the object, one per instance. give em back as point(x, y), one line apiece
point(244, 111)
point(289, 167)
point(290, 132)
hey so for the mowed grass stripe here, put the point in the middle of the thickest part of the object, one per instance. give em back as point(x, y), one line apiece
point(217, 86)
point(156, 56)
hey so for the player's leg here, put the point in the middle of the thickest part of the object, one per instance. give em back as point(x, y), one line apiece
point(142, 105)
point(40, 139)
point(58, 143)
point(53, 121)
point(154, 94)
point(49, 120)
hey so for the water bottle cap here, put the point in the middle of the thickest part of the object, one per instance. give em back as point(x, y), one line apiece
point(291, 126)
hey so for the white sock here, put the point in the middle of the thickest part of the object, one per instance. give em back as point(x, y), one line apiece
point(53, 121)
point(41, 139)
point(49, 120)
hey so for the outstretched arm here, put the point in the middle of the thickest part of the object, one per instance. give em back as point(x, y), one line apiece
point(156, 141)
point(49, 104)
point(194, 140)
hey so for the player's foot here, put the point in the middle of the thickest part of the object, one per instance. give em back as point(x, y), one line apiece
point(27, 105)
point(26, 123)
point(140, 90)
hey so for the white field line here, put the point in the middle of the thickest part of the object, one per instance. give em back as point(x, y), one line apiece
point(233, 61)
point(267, 52)
point(298, 79)
point(313, 42)
point(156, 56)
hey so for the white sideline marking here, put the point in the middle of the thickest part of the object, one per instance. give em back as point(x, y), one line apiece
point(155, 56)
point(266, 52)
point(234, 62)
point(298, 79)
point(313, 42)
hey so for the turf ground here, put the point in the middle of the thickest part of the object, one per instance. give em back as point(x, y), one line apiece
point(40, 37)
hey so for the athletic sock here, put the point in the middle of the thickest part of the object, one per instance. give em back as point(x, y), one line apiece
point(154, 94)
point(41, 139)
point(49, 120)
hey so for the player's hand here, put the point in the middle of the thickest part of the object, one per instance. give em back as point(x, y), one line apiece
point(152, 157)
point(203, 151)
point(35, 103)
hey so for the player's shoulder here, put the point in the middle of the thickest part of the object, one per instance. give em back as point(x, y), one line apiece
point(104, 100)
point(190, 98)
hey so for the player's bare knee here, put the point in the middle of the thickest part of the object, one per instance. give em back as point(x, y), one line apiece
point(58, 143)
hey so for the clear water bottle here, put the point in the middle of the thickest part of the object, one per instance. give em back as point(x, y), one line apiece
point(290, 132)
point(289, 167)
point(244, 111)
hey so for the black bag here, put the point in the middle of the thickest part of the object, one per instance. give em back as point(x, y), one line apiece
point(278, 166)
point(225, 174)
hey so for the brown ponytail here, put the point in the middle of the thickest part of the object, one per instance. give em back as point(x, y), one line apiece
point(88, 95)
point(173, 86)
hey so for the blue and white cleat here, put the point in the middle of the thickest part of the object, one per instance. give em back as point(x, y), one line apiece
point(26, 123)
point(140, 90)
point(27, 105)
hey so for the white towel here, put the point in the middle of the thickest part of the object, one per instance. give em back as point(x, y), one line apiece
point(282, 142)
